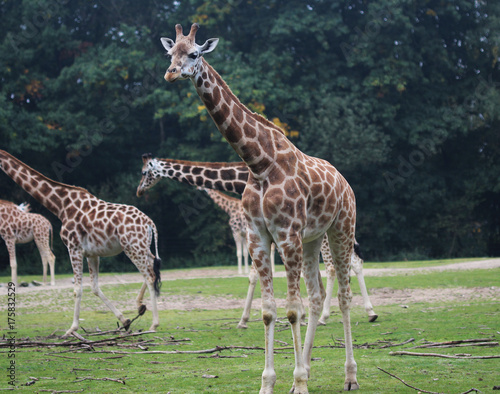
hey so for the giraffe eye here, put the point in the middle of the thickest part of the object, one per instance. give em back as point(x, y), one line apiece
point(193, 55)
point(144, 173)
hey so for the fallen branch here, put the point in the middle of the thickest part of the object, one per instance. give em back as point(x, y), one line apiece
point(403, 353)
point(59, 391)
point(420, 390)
point(72, 342)
point(459, 343)
point(397, 344)
point(102, 379)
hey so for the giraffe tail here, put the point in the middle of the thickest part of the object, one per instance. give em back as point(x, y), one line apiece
point(156, 263)
point(357, 250)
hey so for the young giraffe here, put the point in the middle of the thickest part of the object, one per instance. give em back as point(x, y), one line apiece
point(93, 228)
point(233, 177)
point(19, 226)
point(290, 198)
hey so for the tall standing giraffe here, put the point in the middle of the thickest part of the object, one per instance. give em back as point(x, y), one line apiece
point(19, 226)
point(290, 198)
point(233, 177)
point(93, 228)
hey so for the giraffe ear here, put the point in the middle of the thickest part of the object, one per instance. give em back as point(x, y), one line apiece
point(208, 46)
point(168, 44)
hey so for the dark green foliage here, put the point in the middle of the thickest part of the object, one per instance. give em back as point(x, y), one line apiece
point(402, 97)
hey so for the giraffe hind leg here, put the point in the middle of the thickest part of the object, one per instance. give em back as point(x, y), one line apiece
point(93, 263)
point(341, 246)
point(149, 267)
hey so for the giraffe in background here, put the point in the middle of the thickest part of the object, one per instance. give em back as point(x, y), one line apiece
point(290, 198)
point(233, 177)
point(93, 228)
point(237, 222)
point(19, 226)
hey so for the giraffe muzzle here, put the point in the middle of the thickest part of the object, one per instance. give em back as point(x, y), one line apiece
point(172, 75)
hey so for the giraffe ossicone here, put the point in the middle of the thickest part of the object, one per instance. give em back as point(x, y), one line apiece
point(291, 199)
point(93, 228)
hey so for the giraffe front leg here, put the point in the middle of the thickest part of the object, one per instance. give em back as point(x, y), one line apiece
point(291, 252)
point(11, 248)
point(252, 282)
point(52, 263)
point(259, 251)
point(77, 264)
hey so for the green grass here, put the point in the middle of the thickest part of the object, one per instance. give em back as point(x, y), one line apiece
point(182, 373)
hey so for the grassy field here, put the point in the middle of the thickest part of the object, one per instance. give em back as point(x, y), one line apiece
point(43, 315)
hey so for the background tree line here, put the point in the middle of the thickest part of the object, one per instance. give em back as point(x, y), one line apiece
point(401, 96)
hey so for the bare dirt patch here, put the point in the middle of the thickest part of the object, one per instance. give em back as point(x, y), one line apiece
point(381, 296)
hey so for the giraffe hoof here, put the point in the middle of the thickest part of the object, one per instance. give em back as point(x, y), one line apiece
point(321, 322)
point(126, 325)
point(142, 310)
point(372, 318)
point(349, 386)
point(242, 326)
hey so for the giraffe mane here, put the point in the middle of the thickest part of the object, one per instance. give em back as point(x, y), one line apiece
point(225, 195)
point(5, 202)
point(258, 117)
point(205, 164)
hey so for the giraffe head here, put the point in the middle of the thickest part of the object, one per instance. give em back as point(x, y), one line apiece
point(185, 53)
point(151, 173)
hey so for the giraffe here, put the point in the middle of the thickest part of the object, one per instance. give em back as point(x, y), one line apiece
point(233, 177)
point(237, 222)
point(290, 198)
point(19, 226)
point(93, 228)
point(357, 267)
point(230, 177)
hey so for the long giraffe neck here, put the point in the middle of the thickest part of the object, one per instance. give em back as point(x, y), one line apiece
point(255, 139)
point(227, 203)
point(52, 195)
point(230, 177)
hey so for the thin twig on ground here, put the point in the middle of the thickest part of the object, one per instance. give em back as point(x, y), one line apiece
point(78, 380)
point(421, 390)
point(397, 344)
point(460, 356)
point(459, 343)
